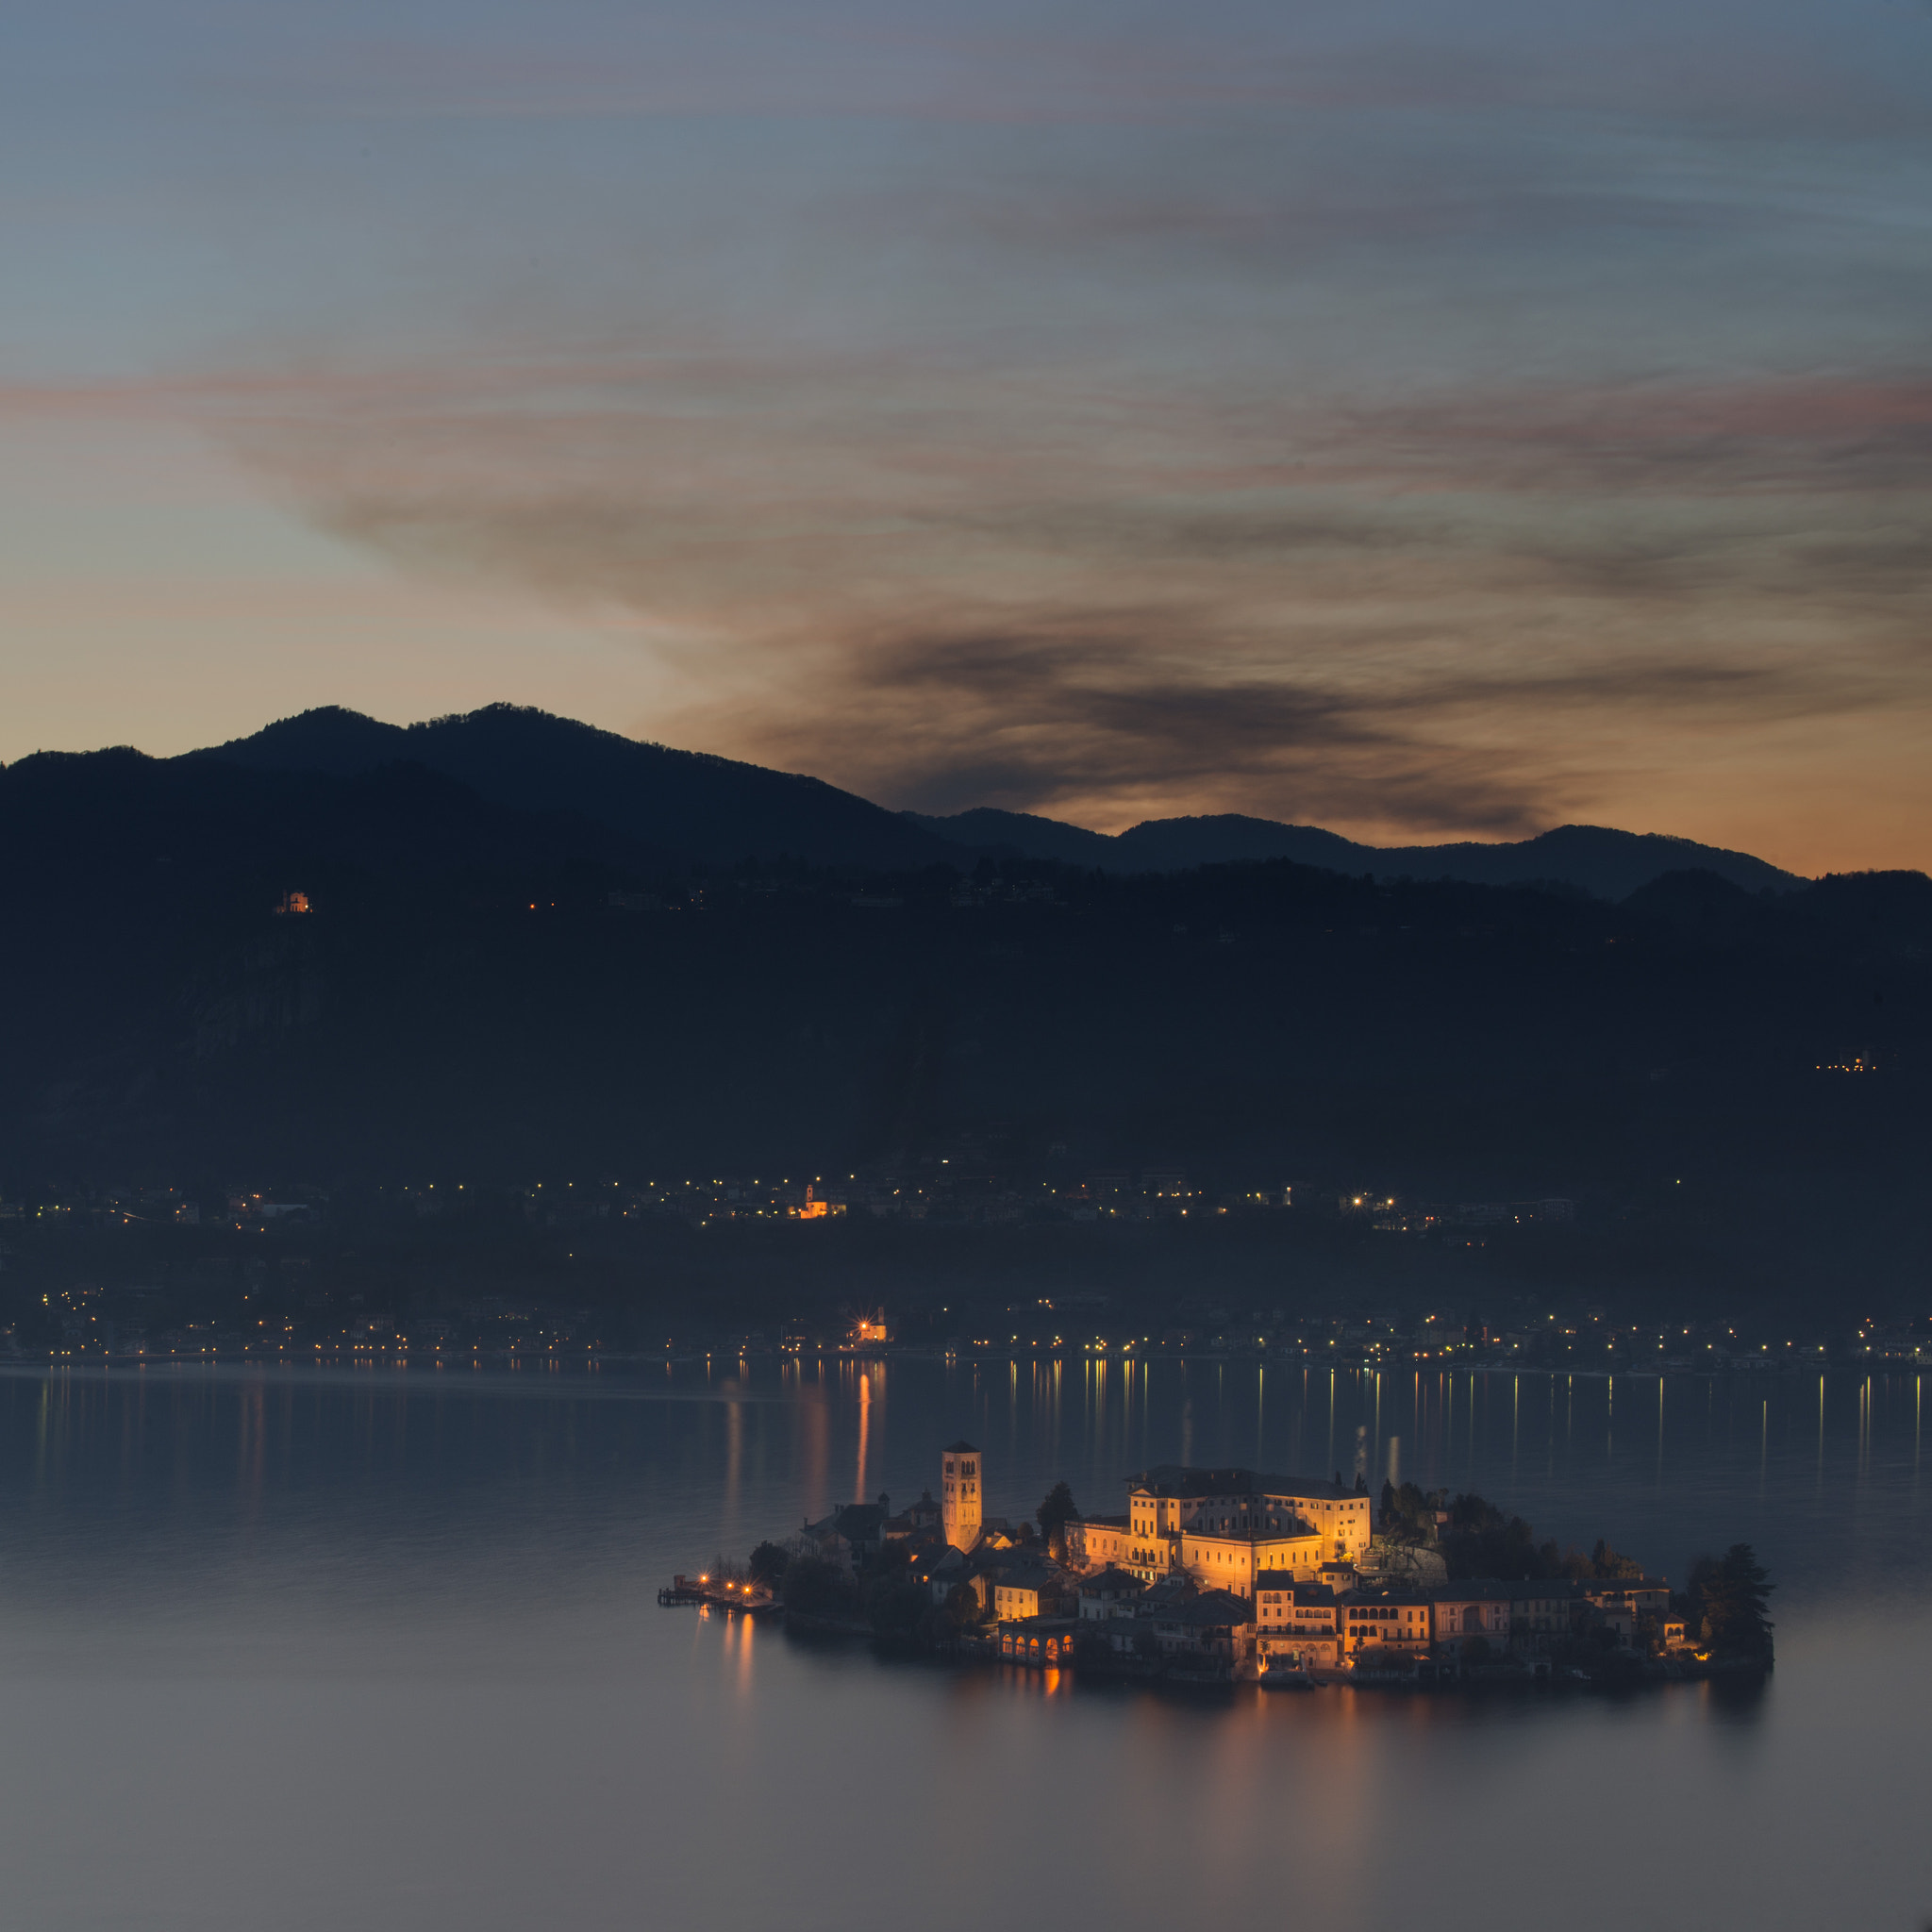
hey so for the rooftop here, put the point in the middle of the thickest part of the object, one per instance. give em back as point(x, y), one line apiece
point(1110, 1579)
point(1213, 1607)
point(1494, 1589)
point(1033, 1575)
point(1283, 1580)
point(1293, 1531)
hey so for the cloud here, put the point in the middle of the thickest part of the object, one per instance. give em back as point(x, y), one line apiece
point(1424, 420)
point(944, 585)
point(1036, 721)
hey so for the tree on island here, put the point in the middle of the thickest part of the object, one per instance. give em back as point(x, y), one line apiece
point(1727, 1600)
point(768, 1563)
point(814, 1587)
point(1408, 1515)
point(964, 1610)
point(1481, 1542)
point(900, 1611)
point(1053, 1516)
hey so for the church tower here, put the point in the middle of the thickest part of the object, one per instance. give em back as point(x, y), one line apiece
point(961, 1500)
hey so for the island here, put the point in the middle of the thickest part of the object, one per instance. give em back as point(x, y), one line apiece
point(1229, 1576)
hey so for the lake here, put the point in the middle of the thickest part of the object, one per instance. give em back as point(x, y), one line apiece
point(380, 1649)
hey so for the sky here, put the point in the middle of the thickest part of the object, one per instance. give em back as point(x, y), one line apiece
point(1425, 421)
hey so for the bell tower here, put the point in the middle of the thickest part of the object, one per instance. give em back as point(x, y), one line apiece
point(962, 1501)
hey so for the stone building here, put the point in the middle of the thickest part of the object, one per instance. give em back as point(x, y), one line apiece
point(963, 1500)
point(1225, 1528)
point(1297, 1625)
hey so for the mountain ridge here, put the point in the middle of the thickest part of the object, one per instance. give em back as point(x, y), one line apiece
point(1599, 860)
point(715, 809)
point(695, 803)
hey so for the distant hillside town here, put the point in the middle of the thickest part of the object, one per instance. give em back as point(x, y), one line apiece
point(982, 1258)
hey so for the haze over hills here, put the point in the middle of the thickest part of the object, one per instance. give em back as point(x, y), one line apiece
point(721, 810)
point(1593, 858)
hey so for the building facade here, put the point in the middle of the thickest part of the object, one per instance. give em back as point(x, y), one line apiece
point(1297, 1625)
point(1029, 1591)
point(1225, 1528)
point(963, 1500)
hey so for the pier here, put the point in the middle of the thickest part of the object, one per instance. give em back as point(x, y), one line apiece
point(727, 1594)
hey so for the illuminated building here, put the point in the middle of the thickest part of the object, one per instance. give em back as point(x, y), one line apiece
point(1040, 1643)
point(962, 1503)
point(1391, 1620)
point(1030, 1589)
point(1297, 1625)
point(292, 903)
point(1224, 1527)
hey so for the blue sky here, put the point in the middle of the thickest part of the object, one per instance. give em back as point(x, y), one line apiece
point(1425, 421)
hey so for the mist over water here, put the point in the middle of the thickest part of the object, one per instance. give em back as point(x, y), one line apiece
point(382, 1649)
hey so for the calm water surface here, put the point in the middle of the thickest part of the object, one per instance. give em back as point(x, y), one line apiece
point(381, 1650)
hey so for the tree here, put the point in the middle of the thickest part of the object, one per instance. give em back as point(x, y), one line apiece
point(963, 1609)
point(1476, 1650)
point(1482, 1542)
point(1409, 1514)
point(815, 1587)
point(888, 1560)
point(1607, 1563)
point(1728, 1596)
point(897, 1611)
point(1053, 1516)
point(768, 1563)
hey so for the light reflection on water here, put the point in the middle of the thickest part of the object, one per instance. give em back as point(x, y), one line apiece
point(381, 1648)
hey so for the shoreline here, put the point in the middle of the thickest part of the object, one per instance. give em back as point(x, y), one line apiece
point(1511, 1675)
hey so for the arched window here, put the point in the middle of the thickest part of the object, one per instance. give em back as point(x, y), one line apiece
point(1471, 1618)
